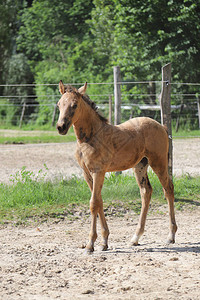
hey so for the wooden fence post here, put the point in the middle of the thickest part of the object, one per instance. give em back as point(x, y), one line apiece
point(22, 115)
point(165, 105)
point(198, 108)
point(178, 118)
point(110, 109)
point(117, 95)
point(54, 115)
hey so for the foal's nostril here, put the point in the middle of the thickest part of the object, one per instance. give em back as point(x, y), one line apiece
point(58, 127)
point(61, 128)
point(64, 127)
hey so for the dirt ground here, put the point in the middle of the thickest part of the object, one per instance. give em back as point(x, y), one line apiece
point(61, 162)
point(47, 261)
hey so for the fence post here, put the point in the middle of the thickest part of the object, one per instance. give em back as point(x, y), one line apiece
point(117, 94)
point(22, 115)
point(178, 118)
point(165, 105)
point(54, 115)
point(117, 99)
point(110, 109)
point(198, 108)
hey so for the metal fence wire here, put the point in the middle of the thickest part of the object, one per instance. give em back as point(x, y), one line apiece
point(17, 108)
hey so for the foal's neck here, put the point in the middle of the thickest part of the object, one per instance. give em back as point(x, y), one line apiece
point(87, 125)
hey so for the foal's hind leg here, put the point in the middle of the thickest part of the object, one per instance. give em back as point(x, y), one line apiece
point(140, 171)
point(161, 171)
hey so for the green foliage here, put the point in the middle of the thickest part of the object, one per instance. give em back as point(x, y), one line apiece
point(160, 32)
point(48, 24)
point(81, 40)
point(18, 72)
point(9, 25)
point(7, 113)
point(92, 36)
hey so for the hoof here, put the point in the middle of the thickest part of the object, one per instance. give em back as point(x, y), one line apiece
point(89, 250)
point(135, 244)
point(170, 241)
point(103, 247)
point(134, 240)
point(171, 238)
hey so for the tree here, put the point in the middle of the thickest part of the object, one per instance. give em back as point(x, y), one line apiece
point(52, 35)
point(8, 25)
point(18, 72)
point(50, 23)
point(160, 32)
point(79, 40)
point(142, 36)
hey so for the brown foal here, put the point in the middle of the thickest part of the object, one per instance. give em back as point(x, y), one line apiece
point(102, 147)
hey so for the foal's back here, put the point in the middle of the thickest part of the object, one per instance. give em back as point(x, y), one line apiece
point(138, 138)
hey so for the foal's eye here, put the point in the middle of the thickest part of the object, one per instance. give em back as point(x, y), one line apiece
point(74, 106)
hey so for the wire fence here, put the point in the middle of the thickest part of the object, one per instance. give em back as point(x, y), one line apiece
point(17, 107)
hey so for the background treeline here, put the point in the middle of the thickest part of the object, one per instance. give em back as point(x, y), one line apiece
point(43, 41)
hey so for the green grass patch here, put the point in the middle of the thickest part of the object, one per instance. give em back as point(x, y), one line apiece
point(27, 127)
point(37, 139)
point(46, 134)
point(185, 133)
point(30, 196)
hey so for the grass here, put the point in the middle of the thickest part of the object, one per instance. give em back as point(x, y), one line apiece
point(35, 137)
point(46, 134)
point(28, 127)
point(31, 197)
point(186, 133)
point(45, 138)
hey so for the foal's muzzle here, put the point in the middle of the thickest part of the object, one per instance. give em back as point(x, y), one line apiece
point(63, 128)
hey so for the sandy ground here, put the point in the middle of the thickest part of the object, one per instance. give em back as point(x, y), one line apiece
point(46, 261)
point(61, 162)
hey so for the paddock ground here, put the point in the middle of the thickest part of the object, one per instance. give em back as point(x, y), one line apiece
point(61, 162)
point(47, 261)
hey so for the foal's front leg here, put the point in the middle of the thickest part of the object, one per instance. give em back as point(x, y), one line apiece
point(96, 207)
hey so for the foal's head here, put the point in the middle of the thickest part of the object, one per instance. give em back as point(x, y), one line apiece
point(69, 106)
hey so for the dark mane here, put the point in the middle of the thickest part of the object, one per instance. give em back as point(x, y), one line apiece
point(71, 89)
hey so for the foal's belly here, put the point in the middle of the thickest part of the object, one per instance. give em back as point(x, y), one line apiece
point(124, 162)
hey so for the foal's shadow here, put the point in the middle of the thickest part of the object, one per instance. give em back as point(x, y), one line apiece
point(192, 202)
point(184, 247)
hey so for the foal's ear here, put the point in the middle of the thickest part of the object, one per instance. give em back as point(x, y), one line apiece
point(83, 89)
point(61, 87)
